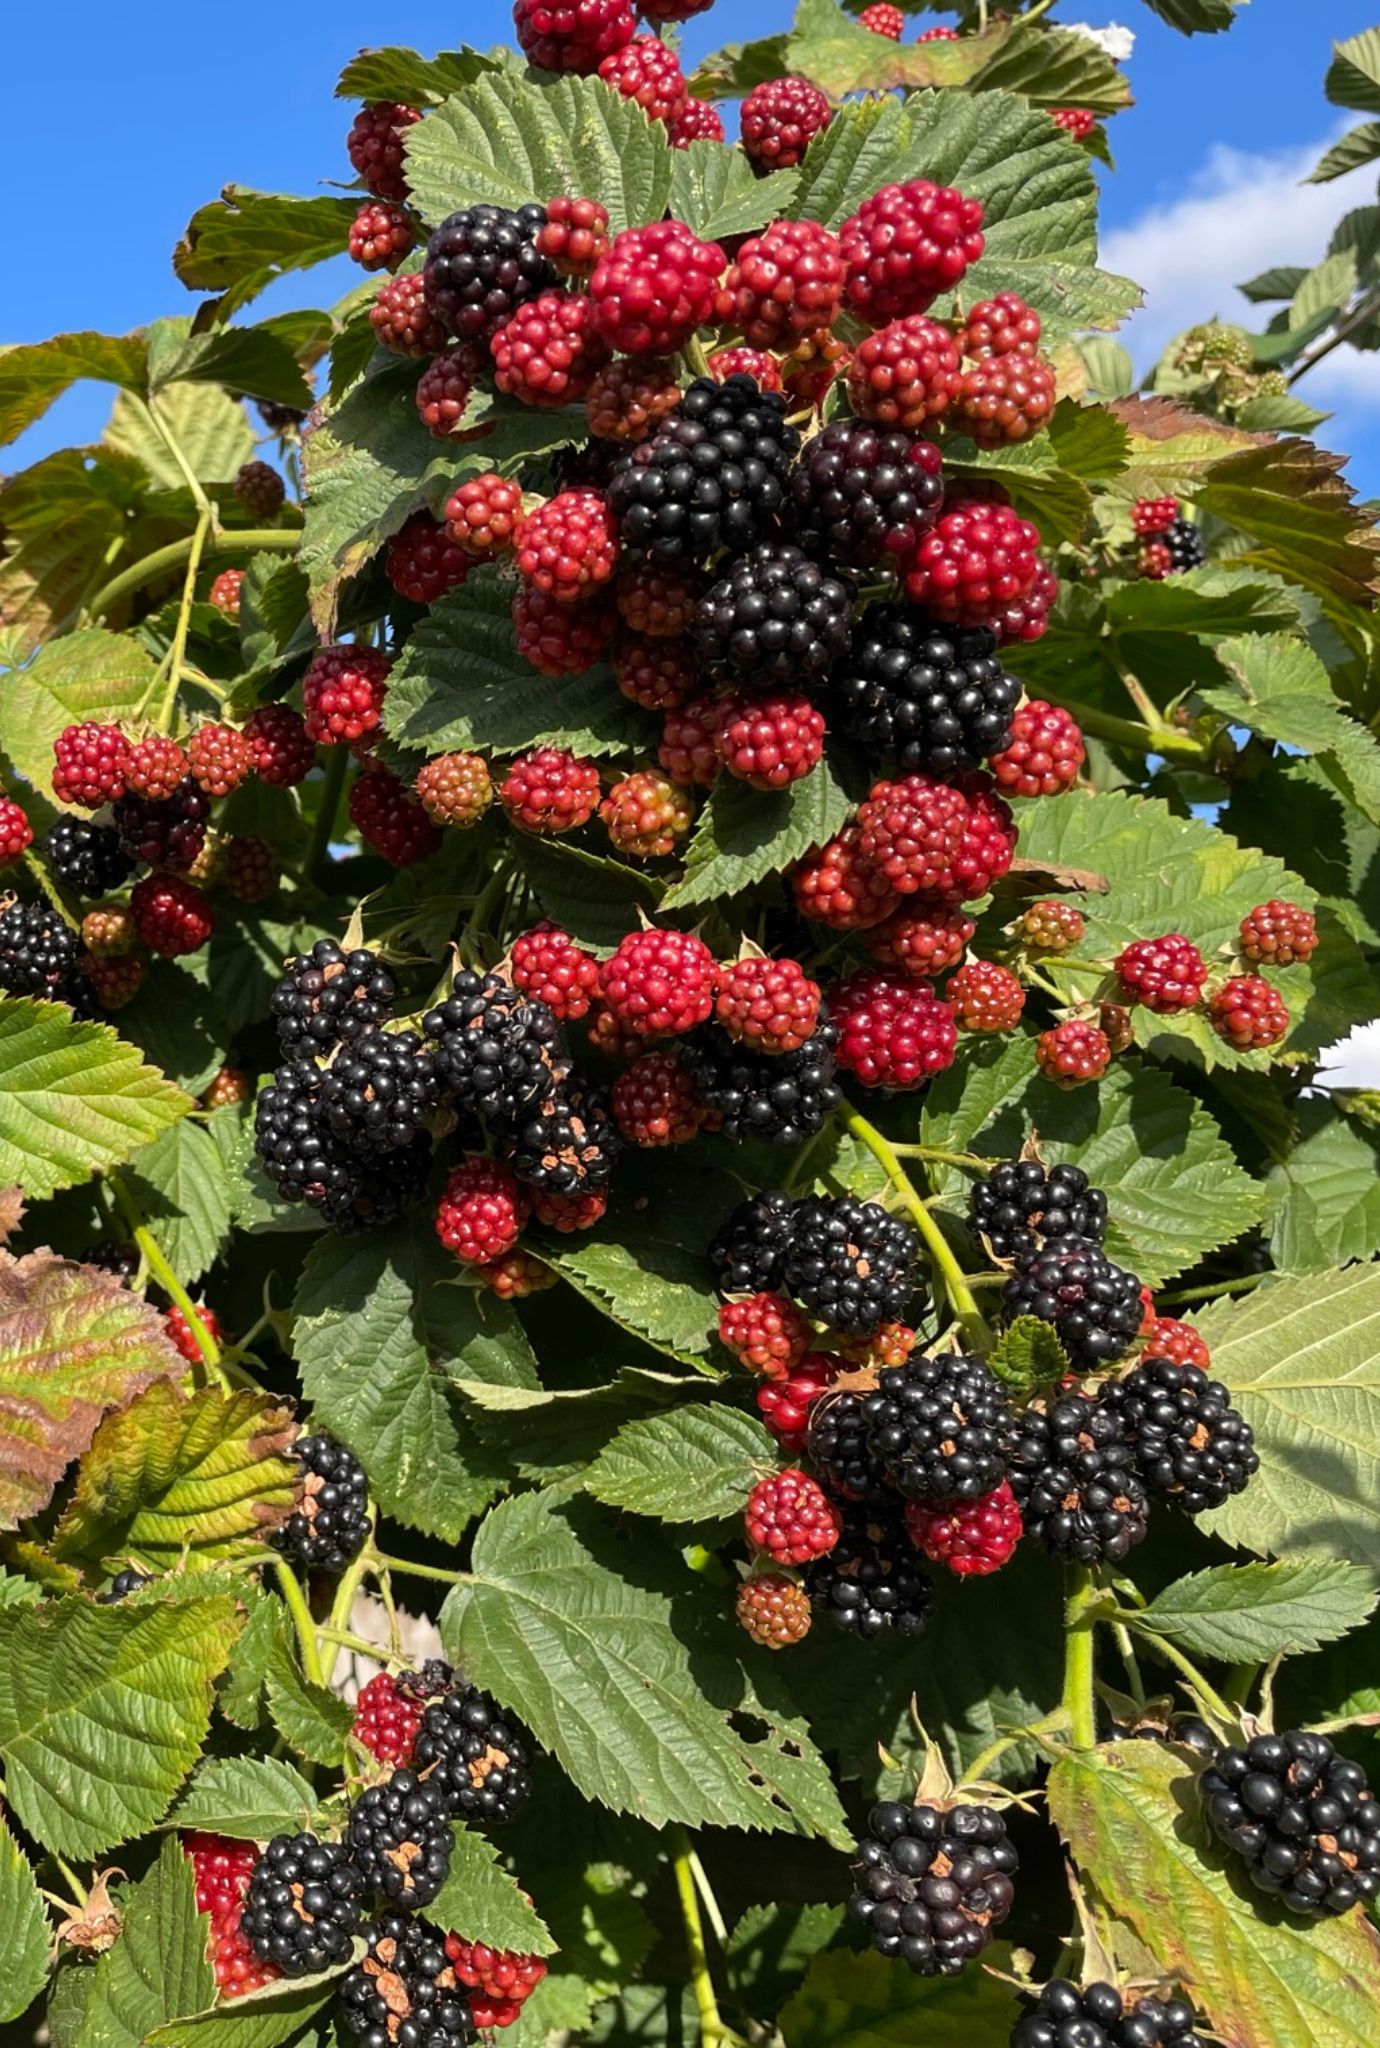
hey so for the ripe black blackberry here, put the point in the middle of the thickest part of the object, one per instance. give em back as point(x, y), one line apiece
point(1190, 1446)
point(122, 1585)
point(329, 996)
point(302, 1905)
point(497, 1050)
point(85, 858)
point(782, 1097)
point(1072, 1473)
point(850, 1263)
point(1097, 2016)
point(329, 1524)
point(933, 1919)
point(482, 264)
point(112, 1256)
point(305, 1161)
point(871, 1582)
point(1185, 545)
point(921, 695)
point(861, 492)
point(839, 1447)
point(749, 1249)
point(1302, 1818)
point(939, 1428)
point(773, 618)
point(475, 1756)
point(163, 832)
point(429, 1682)
point(406, 1990)
point(1094, 1306)
point(566, 1143)
point(38, 952)
point(1020, 1204)
point(713, 475)
point(379, 1090)
point(400, 1838)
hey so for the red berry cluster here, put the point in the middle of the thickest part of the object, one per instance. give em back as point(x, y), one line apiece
point(221, 1870)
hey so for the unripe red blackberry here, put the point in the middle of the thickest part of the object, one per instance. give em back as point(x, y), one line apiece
point(16, 833)
point(779, 118)
point(769, 742)
point(660, 12)
point(260, 489)
point(1051, 927)
point(1248, 1013)
point(375, 144)
point(484, 513)
point(1155, 561)
point(771, 1005)
point(883, 20)
point(224, 593)
point(227, 1089)
point(501, 1980)
point(655, 286)
point(628, 399)
point(610, 1038)
point(444, 390)
point(938, 35)
point(689, 746)
point(660, 675)
point(572, 35)
point(381, 234)
point(183, 1337)
point(550, 791)
point(386, 1720)
point(455, 789)
point(766, 1333)
point(893, 1033)
point(1079, 122)
point(281, 749)
point(1045, 753)
point(562, 639)
point(746, 362)
point(1279, 932)
point(482, 1210)
point(403, 322)
point(812, 366)
point(658, 600)
point(89, 763)
point(905, 245)
point(342, 694)
point(1150, 516)
point(654, 1101)
point(921, 939)
point(660, 984)
point(1073, 1052)
point(108, 931)
point(569, 546)
point(646, 815)
point(985, 997)
point(785, 1404)
point(252, 868)
point(547, 965)
point(784, 283)
point(951, 840)
point(156, 767)
point(574, 235)
point(116, 982)
point(1165, 975)
point(695, 121)
point(1004, 399)
point(774, 1609)
point(840, 887)
point(171, 916)
point(388, 818)
point(1180, 1343)
point(1003, 326)
point(973, 1538)
point(423, 561)
point(978, 560)
point(906, 374)
point(791, 1518)
point(568, 1213)
point(219, 758)
point(647, 71)
point(547, 352)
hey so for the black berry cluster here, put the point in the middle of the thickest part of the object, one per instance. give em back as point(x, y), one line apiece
point(1094, 1306)
point(38, 952)
point(1021, 1205)
point(329, 1524)
point(496, 1049)
point(932, 1886)
point(1073, 1473)
point(939, 1428)
point(163, 832)
point(122, 1585)
point(850, 1263)
point(774, 618)
point(1185, 544)
point(378, 1090)
point(1302, 1818)
point(329, 997)
point(473, 1755)
point(1189, 1444)
point(399, 1836)
point(84, 857)
point(713, 475)
point(781, 1097)
point(1100, 2016)
point(303, 1906)
point(841, 1448)
point(482, 263)
point(861, 492)
point(922, 695)
point(871, 1582)
point(749, 1251)
point(406, 1989)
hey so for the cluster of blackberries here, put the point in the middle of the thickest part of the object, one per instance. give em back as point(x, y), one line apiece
point(344, 1123)
point(714, 475)
point(39, 955)
point(783, 1097)
point(922, 695)
point(849, 1263)
point(933, 1884)
point(1302, 1818)
point(1099, 2016)
point(306, 1900)
point(329, 1522)
point(1048, 1224)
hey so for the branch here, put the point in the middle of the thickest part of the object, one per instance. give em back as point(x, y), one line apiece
point(253, 541)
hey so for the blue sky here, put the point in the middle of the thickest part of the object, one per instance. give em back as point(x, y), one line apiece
point(163, 104)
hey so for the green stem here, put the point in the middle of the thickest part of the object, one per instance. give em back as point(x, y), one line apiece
point(359, 1644)
point(707, 1898)
point(967, 1161)
point(1079, 1697)
point(1152, 737)
point(78, 1889)
point(712, 2028)
point(1126, 1647)
point(318, 851)
point(350, 1583)
point(253, 541)
point(296, 1602)
point(174, 448)
point(1172, 1654)
point(177, 653)
point(163, 1273)
point(1183, 1296)
point(419, 1571)
point(1048, 1724)
point(1365, 309)
point(483, 904)
point(961, 1300)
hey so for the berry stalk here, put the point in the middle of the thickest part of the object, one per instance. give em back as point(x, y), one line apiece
point(713, 2032)
point(1079, 1697)
point(318, 852)
point(252, 540)
point(163, 1273)
point(961, 1298)
point(295, 1601)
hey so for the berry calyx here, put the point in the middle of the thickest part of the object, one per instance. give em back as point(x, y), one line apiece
point(774, 1609)
point(1282, 933)
point(482, 1210)
point(893, 1032)
point(791, 1518)
point(972, 1539)
point(1248, 1013)
point(1073, 1052)
point(778, 120)
point(770, 1005)
point(549, 791)
point(1164, 975)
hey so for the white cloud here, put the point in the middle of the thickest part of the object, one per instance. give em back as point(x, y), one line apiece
point(1354, 1062)
point(1244, 213)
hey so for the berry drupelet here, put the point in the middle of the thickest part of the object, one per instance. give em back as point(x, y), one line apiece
point(1190, 1446)
point(839, 1445)
point(329, 1524)
point(1302, 1818)
point(933, 1884)
point(1072, 1473)
point(1099, 2016)
point(849, 1263)
point(473, 1756)
point(85, 858)
point(567, 1145)
point(922, 697)
point(969, 1538)
point(302, 1905)
point(939, 1428)
point(870, 1583)
point(1022, 1204)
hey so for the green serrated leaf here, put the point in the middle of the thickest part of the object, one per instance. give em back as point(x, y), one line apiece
point(240, 1691)
point(210, 430)
point(636, 1685)
point(24, 1955)
point(715, 191)
point(691, 1465)
point(411, 80)
point(247, 1797)
point(1281, 690)
point(480, 1901)
point(251, 360)
point(157, 1970)
point(1360, 145)
point(1326, 1193)
point(1353, 76)
point(35, 374)
point(240, 243)
point(1111, 372)
point(1028, 1355)
point(769, 1948)
point(595, 899)
point(743, 835)
point(1301, 516)
point(285, 2010)
point(311, 1720)
point(1247, 1614)
point(103, 1711)
point(863, 2001)
point(184, 1191)
point(88, 674)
